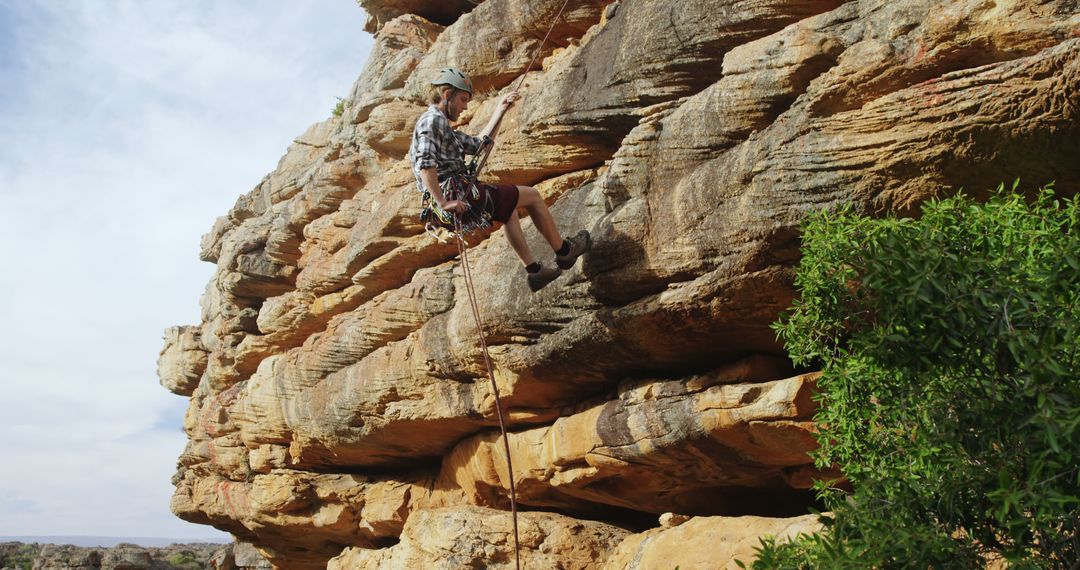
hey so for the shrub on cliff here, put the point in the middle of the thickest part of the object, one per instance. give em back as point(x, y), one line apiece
point(950, 393)
point(18, 556)
point(184, 560)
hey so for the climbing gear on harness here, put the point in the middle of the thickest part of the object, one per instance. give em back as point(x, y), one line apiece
point(455, 78)
point(462, 187)
point(579, 244)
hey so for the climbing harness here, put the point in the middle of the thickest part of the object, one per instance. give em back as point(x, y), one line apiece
point(464, 185)
point(477, 215)
point(461, 186)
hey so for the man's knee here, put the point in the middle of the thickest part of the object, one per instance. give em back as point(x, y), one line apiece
point(527, 196)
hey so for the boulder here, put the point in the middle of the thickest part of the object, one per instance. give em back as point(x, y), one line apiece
point(473, 537)
point(705, 543)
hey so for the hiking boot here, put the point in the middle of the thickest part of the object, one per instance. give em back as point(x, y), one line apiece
point(579, 244)
point(540, 279)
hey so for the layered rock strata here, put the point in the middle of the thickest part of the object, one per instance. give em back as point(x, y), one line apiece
point(338, 395)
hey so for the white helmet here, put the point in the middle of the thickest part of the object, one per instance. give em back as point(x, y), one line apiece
point(454, 78)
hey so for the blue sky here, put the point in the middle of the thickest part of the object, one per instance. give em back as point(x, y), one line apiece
point(126, 128)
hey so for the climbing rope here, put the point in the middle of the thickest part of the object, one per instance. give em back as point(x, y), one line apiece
point(542, 42)
point(463, 251)
point(483, 159)
point(475, 168)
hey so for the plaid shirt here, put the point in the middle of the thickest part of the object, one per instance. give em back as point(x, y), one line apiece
point(436, 144)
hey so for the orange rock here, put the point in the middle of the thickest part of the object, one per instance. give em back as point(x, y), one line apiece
point(473, 537)
point(704, 543)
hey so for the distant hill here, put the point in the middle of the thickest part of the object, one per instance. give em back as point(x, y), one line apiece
point(26, 555)
point(110, 541)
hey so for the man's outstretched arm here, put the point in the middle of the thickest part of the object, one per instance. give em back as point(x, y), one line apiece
point(493, 124)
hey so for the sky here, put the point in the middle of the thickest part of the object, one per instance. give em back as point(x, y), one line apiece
point(126, 128)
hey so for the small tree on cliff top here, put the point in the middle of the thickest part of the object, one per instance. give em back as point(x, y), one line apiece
point(950, 393)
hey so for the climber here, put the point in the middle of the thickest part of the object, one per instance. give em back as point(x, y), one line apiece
point(438, 154)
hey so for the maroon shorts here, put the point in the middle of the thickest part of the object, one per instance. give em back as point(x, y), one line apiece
point(504, 197)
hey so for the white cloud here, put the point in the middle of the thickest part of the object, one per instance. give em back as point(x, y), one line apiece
point(126, 128)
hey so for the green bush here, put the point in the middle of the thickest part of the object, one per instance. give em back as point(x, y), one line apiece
point(20, 558)
point(185, 560)
point(949, 394)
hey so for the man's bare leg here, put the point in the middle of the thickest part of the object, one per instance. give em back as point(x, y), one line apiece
point(566, 251)
point(530, 199)
point(516, 237)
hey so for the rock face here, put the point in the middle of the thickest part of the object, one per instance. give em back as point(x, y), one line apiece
point(691, 444)
point(339, 407)
point(474, 537)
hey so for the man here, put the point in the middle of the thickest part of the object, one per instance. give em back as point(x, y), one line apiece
point(438, 156)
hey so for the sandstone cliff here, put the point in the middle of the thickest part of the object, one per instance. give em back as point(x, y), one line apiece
point(339, 411)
